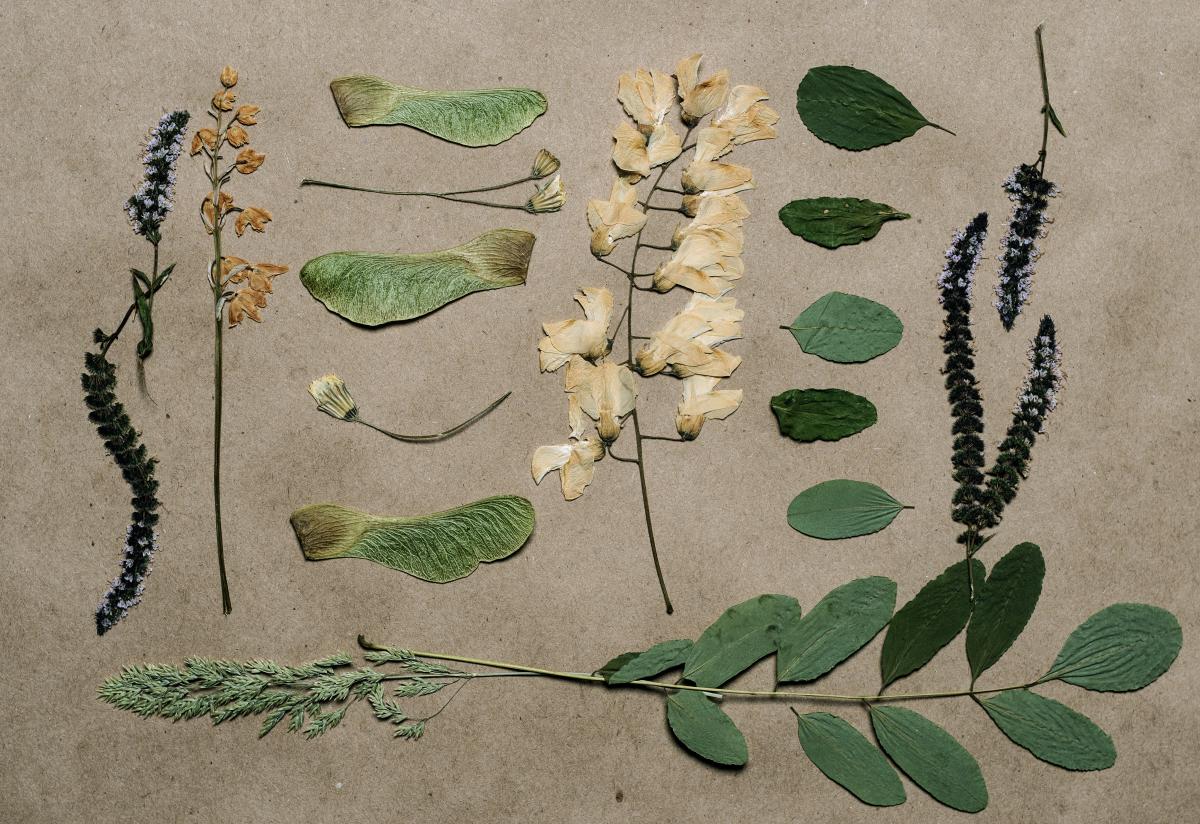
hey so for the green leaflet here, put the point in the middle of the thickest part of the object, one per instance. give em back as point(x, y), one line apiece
point(837, 221)
point(838, 626)
point(375, 288)
point(634, 666)
point(842, 509)
point(854, 109)
point(1053, 732)
point(928, 622)
point(1121, 648)
point(439, 547)
point(1005, 603)
point(846, 328)
point(822, 414)
point(700, 725)
point(931, 757)
point(480, 117)
point(847, 757)
point(742, 635)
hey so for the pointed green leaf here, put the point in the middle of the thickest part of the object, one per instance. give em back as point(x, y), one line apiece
point(822, 414)
point(838, 626)
point(439, 547)
point(1053, 732)
point(855, 109)
point(163, 275)
point(1058, 126)
point(141, 276)
point(634, 666)
point(479, 117)
point(142, 301)
point(742, 635)
point(931, 757)
point(847, 757)
point(846, 328)
point(373, 289)
point(1003, 606)
point(1121, 648)
point(837, 221)
point(700, 725)
point(842, 509)
point(928, 622)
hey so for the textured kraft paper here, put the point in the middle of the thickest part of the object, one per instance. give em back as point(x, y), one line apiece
point(1110, 499)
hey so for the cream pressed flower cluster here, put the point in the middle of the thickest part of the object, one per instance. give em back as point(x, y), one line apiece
point(705, 259)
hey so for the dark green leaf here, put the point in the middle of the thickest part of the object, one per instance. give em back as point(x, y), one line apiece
point(837, 627)
point(1003, 605)
point(163, 275)
point(847, 757)
point(634, 666)
point(742, 635)
point(146, 344)
point(1121, 648)
point(931, 757)
point(1054, 119)
point(846, 328)
point(704, 728)
point(822, 414)
point(842, 509)
point(854, 109)
point(141, 276)
point(1051, 731)
point(837, 221)
point(928, 622)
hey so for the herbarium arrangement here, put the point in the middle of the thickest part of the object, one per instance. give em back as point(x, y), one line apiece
point(705, 259)
point(253, 280)
point(147, 208)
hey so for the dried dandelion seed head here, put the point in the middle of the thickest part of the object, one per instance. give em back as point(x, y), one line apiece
point(586, 338)
point(333, 398)
point(605, 392)
point(544, 164)
point(647, 97)
point(615, 218)
point(548, 198)
point(702, 401)
point(698, 99)
point(575, 460)
point(229, 77)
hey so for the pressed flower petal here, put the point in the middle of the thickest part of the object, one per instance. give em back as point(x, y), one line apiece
point(587, 338)
point(576, 460)
point(249, 160)
point(236, 136)
point(708, 176)
point(615, 218)
point(698, 99)
point(647, 96)
point(229, 77)
point(629, 150)
point(700, 402)
point(224, 100)
point(664, 145)
point(548, 198)
point(254, 217)
point(544, 164)
point(247, 115)
point(333, 398)
point(606, 393)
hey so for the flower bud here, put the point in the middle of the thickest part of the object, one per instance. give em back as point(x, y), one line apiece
point(333, 398)
point(229, 77)
point(544, 165)
point(223, 100)
point(549, 198)
point(247, 115)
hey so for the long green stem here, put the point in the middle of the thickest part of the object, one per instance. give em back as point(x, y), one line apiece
point(453, 196)
point(218, 289)
point(1046, 109)
point(439, 436)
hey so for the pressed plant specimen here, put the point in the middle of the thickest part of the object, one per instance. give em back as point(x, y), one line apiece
point(239, 288)
point(704, 259)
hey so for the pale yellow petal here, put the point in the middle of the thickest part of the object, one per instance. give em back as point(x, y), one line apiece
point(702, 401)
point(664, 145)
point(629, 150)
point(546, 459)
point(706, 176)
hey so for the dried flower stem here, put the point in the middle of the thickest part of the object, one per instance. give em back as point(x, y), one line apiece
point(438, 436)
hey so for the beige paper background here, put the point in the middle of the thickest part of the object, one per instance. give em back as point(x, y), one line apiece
point(1111, 498)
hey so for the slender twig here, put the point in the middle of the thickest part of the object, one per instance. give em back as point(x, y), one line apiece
point(218, 291)
point(439, 436)
point(453, 196)
point(1046, 109)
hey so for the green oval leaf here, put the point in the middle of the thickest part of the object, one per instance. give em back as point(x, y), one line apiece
point(842, 509)
point(479, 117)
point(439, 547)
point(1053, 732)
point(847, 757)
point(838, 626)
point(846, 328)
point(742, 635)
point(928, 622)
point(822, 414)
point(1003, 606)
point(1121, 648)
point(704, 728)
point(634, 666)
point(373, 289)
point(931, 757)
point(837, 221)
point(855, 109)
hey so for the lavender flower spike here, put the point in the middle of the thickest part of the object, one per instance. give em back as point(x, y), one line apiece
point(1029, 192)
point(152, 202)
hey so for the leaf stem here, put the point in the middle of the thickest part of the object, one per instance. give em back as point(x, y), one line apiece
point(439, 436)
point(451, 195)
point(1041, 53)
point(218, 371)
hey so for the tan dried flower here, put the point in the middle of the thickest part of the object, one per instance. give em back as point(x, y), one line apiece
point(633, 152)
point(576, 461)
point(204, 138)
point(255, 217)
point(687, 343)
point(698, 99)
point(206, 207)
point(700, 264)
point(549, 198)
point(544, 164)
point(587, 338)
point(247, 115)
point(715, 210)
point(229, 77)
point(745, 117)
point(246, 302)
point(236, 136)
point(333, 398)
point(223, 100)
point(700, 402)
point(717, 178)
point(615, 218)
point(647, 97)
point(605, 392)
point(248, 161)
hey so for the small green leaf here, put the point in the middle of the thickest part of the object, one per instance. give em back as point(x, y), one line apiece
point(1053, 732)
point(928, 622)
point(931, 757)
point(1058, 126)
point(855, 109)
point(141, 276)
point(163, 275)
point(374, 289)
point(842, 509)
point(837, 221)
point(1003, 606)
point(704, 728)
point(822, 414)
point(479, 117)
point(838, 626)
point(742, 635)
point(847, 757)
point(1121, 648)
point(439, 547)
point(846, 328)
point(634, 666)
point(146, 344)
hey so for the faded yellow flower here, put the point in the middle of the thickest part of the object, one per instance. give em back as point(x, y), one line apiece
point(231, 265)
point(605, 392)
point(745, 117)
point(699, 98)
point(715, 210)
point(223, 100)
point(206, 207)
point(236, 136)
point(333, 398)
point(206, 138)
point(702, 401)
point(549, 198)
point(246, 303)
point(647, 96)
point(576, 461)
point(633, 152)
point(699, 264)
point(248, 161)
point(615, 218)
point(544, 164)
point(259, 276)
point(229, 77)
point(687, 343)
point(587, 338)
point(718, 178)
point(247, 115)
point(255, 217)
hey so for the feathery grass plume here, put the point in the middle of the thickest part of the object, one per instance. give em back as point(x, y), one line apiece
point(1029, 192)
point(99, 382)
point(1037, 399)
point(956, 284)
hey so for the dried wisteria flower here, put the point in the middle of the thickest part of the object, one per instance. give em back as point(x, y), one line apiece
point(605, 392)
point(587, 338)
point(615, 218)
point(1030, 193)
point(699, 98)
point(647, 97)
point(703, 401)
point(688, 343)
point(575, 460)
